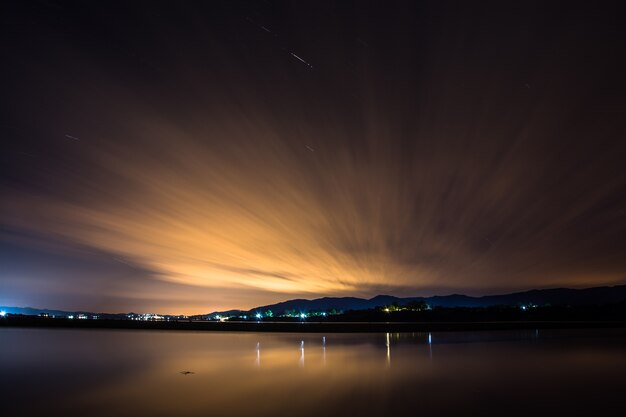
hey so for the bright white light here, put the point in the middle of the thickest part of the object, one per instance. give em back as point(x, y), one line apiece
point(3, 313)
point(302, 316)
point(70, 317)
point(258, 315)
point(386, 310)
point(324, 314)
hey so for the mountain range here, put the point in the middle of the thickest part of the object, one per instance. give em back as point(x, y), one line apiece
point(556, 296)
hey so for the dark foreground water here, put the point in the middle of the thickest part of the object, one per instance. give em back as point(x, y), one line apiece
point(47, 372)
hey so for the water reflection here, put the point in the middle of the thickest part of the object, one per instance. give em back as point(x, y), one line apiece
point(102, 373)
point(430, 346)
point(388, 344)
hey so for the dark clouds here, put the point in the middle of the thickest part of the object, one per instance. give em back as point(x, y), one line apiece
point(427, 148)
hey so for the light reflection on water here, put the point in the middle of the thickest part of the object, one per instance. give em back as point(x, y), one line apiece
point(138, 373)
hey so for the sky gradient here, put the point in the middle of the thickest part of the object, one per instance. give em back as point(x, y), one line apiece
point(186, 158)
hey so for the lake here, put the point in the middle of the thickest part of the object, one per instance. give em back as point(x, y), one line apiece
point(49, 372)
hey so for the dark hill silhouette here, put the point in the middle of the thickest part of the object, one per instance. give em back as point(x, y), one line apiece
point(555, 297)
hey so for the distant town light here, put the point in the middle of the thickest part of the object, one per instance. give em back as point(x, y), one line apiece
point(302, 316)
point(3, 313)
point(258, 315)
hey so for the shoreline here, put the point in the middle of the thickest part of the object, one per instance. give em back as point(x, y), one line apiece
point(302, 327)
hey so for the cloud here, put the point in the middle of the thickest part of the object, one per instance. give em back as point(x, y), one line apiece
point(198, 179)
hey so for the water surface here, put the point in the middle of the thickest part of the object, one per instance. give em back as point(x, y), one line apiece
point(138, 373)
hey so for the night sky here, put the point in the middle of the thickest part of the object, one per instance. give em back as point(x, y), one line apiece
point(185, 157)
